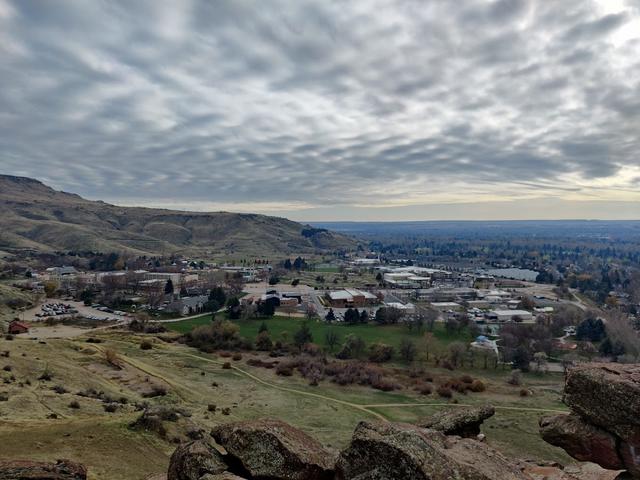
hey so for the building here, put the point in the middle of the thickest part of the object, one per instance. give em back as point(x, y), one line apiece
point(407, 308)
point(176, 278)
point(189, 305)
point(484, 281)
point(447, 306)
point(502, 316)
point(16, 328)
point(350, 298)
point(365, 262)
point(55, 272)
point(448, 294)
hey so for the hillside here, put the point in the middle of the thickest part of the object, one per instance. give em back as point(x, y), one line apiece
point(35, 216)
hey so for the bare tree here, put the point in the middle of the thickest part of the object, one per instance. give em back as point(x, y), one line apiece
point(310, 311)
point(619, 329)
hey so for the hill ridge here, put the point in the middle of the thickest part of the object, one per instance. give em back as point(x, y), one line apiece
point(36, 216)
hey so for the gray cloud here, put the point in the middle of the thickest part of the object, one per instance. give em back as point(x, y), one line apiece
point(318, 103)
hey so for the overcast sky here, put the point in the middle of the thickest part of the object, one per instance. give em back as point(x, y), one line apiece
point(329, 110)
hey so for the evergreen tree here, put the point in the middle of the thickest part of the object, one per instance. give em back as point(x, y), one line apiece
point(330, 317)
point(303, 336)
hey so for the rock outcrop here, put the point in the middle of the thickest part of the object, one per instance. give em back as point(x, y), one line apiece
point(275, 450)
point(604, 426)
point(194, 460)
point(396, 451)
point(26, 470)
point(464, 422)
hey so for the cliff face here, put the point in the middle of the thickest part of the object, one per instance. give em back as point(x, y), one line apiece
point(34, 216)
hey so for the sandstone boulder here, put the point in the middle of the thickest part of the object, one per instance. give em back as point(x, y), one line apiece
point(221, 476)
point(274, 450)
point(604, 426)
point(581, 440)
point(194, 460)
point(606, 395)
point(464, 422)
point(26, 470)
point(395, 451)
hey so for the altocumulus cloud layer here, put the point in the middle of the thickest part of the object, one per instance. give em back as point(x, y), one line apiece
point(323, 106)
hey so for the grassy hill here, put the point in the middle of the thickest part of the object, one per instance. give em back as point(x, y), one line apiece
point(35, 216)
point(194, 380)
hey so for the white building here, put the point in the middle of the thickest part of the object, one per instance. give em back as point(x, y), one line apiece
point(503, 316)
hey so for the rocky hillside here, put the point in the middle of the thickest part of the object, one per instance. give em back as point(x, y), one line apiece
point(269, 449)
point(35, 216)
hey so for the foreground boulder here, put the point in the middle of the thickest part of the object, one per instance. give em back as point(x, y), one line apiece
point(273, 450)
point(604, 426)
point(222, 476)
point(395, 451)
point(581, 440)
point(26, 470)
point(194, 460)
point(464, 422)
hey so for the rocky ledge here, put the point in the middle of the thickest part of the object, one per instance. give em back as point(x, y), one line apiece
point(604, 425)
point(273, 450)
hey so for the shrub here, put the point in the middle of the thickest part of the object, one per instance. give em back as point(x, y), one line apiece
point(284, 369)
point(226, 366)
point(237, 356)
point(146, 345)
point(444, 391)
point(424, 389)
point(384, 385)
point(46, 375)
point(4, 397)
point(380, 353)
point(94, 340)
point(478, 386)
point(448, 365)
point(7, 368)
point(219, 335)
point(515, 378)
point(110, 407)
point(524, 392)
point(466, 379)
point(211, 407)
point(156, 391)
point(59, 389)
point(74, 405)
point(112, 358)
point(226, 411)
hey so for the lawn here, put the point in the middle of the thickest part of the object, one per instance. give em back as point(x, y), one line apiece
point(370, 333)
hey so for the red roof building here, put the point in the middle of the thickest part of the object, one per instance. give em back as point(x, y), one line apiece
point(16, 327)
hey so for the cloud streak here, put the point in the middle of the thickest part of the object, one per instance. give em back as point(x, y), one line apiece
point(322, 104)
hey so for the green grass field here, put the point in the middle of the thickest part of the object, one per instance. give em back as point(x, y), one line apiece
point(370, 333)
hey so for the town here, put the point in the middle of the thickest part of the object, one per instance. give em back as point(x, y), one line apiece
point(347, 290)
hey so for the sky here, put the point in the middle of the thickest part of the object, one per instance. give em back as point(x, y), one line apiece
point(329, 110)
